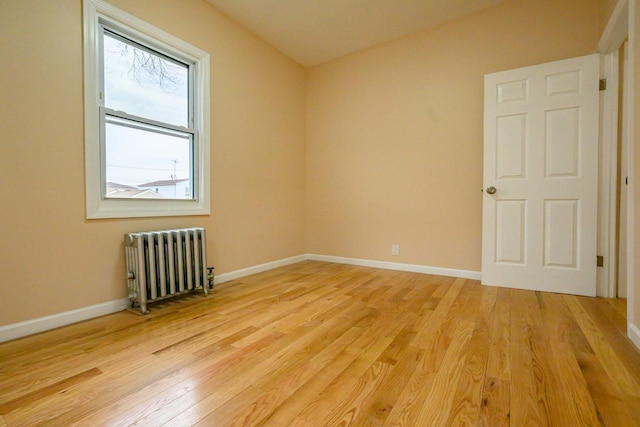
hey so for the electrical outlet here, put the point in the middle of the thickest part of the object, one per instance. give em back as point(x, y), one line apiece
point(395, 250)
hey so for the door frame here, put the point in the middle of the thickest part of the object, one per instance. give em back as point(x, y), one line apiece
point(607, 179)
point(623, 205)
point(619, 28)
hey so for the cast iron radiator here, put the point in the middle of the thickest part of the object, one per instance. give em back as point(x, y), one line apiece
point(161, 264)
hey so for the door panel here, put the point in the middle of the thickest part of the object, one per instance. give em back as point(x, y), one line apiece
point(562, 143)
point(511, 144)
point(510, 235)
point(561, 234)
point(540, 154)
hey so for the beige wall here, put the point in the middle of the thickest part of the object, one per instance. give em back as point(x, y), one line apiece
point(51, 258)
point(395, 132)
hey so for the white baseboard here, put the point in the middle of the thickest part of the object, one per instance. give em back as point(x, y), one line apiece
point(33, 326)
point(465, 274)
point(29, 327)
point(232, 275)
point(634, 334)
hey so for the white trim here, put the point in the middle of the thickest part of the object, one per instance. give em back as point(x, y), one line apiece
point(232, 275)
point(634, 334)
point(33, 326)
point(621, 26)
point(632, 281)
point(607, 180)
point(465, 274)
point(95, 11)
point(623, 236)
point(616, 30)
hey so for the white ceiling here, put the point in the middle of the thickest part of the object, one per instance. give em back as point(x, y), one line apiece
point(315, 31)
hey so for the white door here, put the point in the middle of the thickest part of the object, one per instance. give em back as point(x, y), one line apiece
point(541, 157)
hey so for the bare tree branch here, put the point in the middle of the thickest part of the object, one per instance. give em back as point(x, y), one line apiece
point(147, 67)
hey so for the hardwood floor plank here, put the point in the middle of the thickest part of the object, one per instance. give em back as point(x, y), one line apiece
point(129, 379)
point(620, 304)
point(566, 374)
point(274, 393)
point(340, 394)
point(123, 412)
point(529, 404)
point(443, 284)
point(468, 398)
point(43, 374)
point(157, 395)
point(612, 364)
point(616, 339)
point(549, 385)
point(199, 395)
point(606, 394)
point(378, 408)
point(495, 403)
point(245, 376)
point(408, 405)
point(287, 411)
point(617, 318)
point(437, 405)
point(316, 343)
point(349, 407)
point(428, 327)
point(49, 390)
point(498, 364)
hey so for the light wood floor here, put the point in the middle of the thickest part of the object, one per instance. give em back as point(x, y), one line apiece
point(316, 344)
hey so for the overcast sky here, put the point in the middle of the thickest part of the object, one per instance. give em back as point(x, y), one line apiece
point(136, 156)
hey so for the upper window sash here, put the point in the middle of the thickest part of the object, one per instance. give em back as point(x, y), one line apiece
point(149, 48)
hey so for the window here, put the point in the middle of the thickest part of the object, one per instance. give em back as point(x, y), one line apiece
point(146, 119)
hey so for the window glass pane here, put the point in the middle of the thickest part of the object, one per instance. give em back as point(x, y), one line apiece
point(145, 161)
point(144, 84)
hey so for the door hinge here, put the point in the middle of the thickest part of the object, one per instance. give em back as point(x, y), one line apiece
point(600, 261)
point(603, 84)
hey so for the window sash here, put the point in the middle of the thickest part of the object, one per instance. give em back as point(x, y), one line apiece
point(148, 47)
point(145, 124)
point(152, 49)
point(108, 116)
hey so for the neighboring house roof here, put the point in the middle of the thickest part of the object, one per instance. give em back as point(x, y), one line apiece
point(163, 182)
point(113, 185)
point(134, 194)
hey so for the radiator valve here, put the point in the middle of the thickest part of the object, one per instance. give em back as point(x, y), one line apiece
point(210, 278)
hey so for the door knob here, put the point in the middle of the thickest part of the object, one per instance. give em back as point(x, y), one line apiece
point(491, 190)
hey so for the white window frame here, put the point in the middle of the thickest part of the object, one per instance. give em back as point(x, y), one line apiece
point(97, 13)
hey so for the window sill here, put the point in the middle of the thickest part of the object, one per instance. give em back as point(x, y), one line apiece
point(145, 208)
